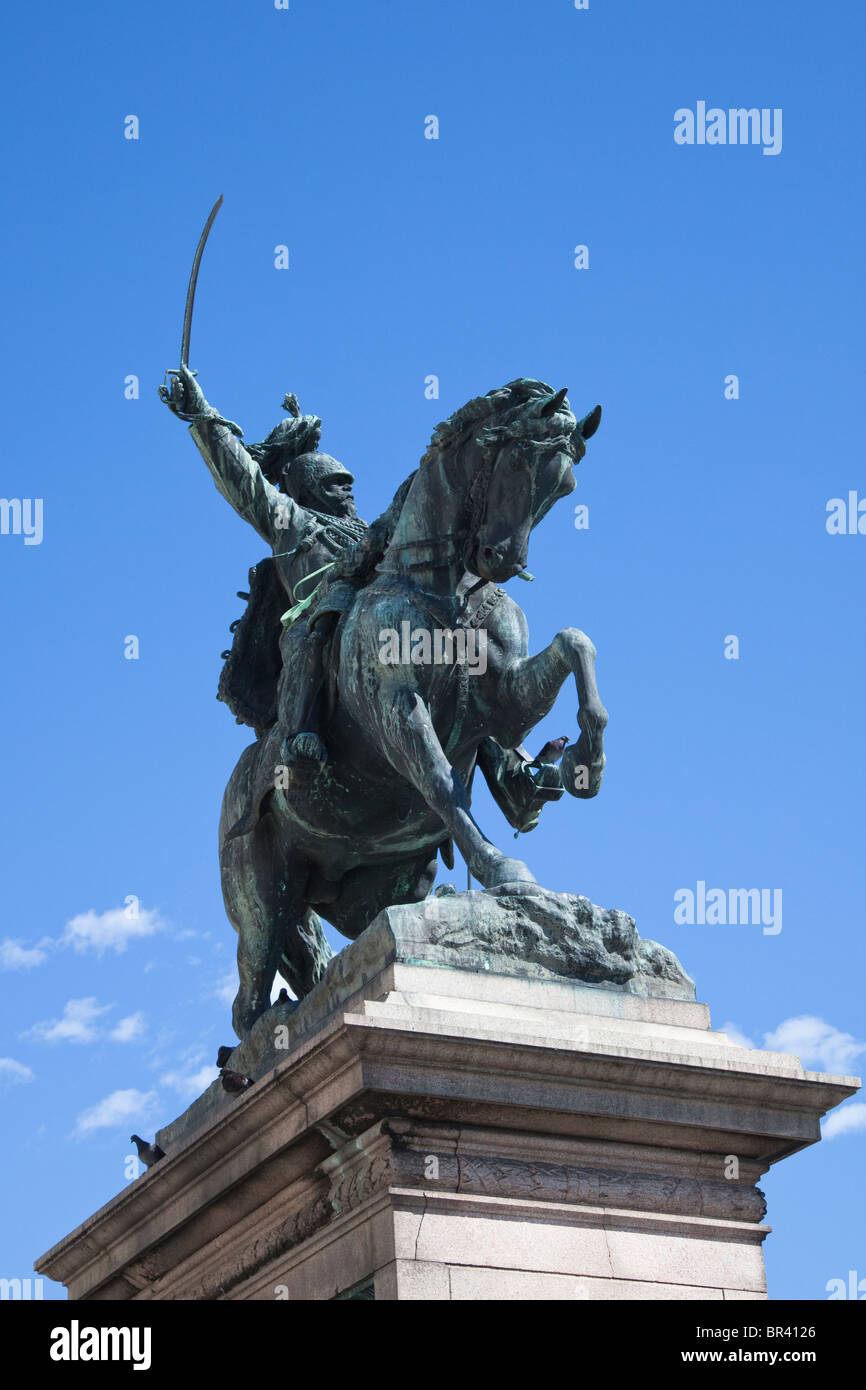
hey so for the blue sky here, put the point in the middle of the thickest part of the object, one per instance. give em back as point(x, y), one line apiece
point(411, 257)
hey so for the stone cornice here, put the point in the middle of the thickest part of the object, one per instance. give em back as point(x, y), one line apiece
point(359, 1066)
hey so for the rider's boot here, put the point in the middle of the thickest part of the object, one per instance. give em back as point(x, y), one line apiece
point(304, 754)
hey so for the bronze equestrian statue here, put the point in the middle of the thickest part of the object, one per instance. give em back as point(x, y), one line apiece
point(366, 746)
point(403, 739)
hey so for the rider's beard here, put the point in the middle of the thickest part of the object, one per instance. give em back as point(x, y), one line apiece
point(326, 504)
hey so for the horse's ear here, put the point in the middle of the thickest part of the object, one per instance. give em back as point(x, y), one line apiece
point(552, 404)
point(589, 424)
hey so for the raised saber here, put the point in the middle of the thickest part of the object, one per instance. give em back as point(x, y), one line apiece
point(193, 277)
point(168, 393)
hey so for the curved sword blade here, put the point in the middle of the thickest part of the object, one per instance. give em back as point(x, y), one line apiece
point(193, 277)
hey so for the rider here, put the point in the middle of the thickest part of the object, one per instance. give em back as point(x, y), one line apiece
point(300, 502)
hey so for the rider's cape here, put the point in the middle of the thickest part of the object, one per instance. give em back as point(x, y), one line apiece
point(249, 678)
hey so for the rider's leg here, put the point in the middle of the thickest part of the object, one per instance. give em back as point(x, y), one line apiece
point(304, 750)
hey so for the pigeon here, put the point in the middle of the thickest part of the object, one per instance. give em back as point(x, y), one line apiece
point(223, 1055)
point(552, 750)
point(234, 1082)
point(148, 1153)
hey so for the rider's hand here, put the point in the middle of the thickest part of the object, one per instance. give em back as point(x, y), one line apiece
point(184, 396)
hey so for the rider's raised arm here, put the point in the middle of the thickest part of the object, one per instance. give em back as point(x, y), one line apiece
point(241, 481)
point(234, 470)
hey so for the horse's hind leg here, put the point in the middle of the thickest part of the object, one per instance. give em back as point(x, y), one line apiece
point(264, 899)
point(305, 953)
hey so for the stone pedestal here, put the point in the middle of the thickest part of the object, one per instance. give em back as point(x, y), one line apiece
point(420, 1130)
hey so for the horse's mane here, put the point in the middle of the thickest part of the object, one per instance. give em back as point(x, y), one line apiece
point(499, 413)
point(500, 402)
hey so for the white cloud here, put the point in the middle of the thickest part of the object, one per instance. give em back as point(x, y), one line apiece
point(819, 1045)
point(10, 1070)
point(15, 956)
point(737, 1038)
point(120, 1108)
point(76, 1025)
point(848, 1119)
point(112, 930)
point(128, 1029)
point(226, 987)
point(191, 1084)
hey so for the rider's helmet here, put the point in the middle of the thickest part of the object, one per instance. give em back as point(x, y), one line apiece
point(310, 480)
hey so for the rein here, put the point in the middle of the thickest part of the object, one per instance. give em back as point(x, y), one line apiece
point(453, 550)
point(476, 496)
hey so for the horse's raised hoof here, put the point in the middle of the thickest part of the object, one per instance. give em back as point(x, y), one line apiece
point(582, 769)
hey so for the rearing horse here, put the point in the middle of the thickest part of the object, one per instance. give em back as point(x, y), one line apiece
point(404, 734)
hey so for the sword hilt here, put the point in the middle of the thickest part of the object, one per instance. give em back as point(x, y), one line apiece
point(176, 401)
point(171, 395)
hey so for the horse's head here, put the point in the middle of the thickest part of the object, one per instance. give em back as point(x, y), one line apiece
point(529, 450)
point(493, 469)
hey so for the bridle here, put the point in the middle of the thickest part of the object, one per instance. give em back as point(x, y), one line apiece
point(476, 492)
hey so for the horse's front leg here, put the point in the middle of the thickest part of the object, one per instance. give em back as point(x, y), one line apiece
point(412, 747)
point(530, 686)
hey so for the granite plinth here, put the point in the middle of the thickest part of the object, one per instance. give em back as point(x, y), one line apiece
point(420, 1131)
